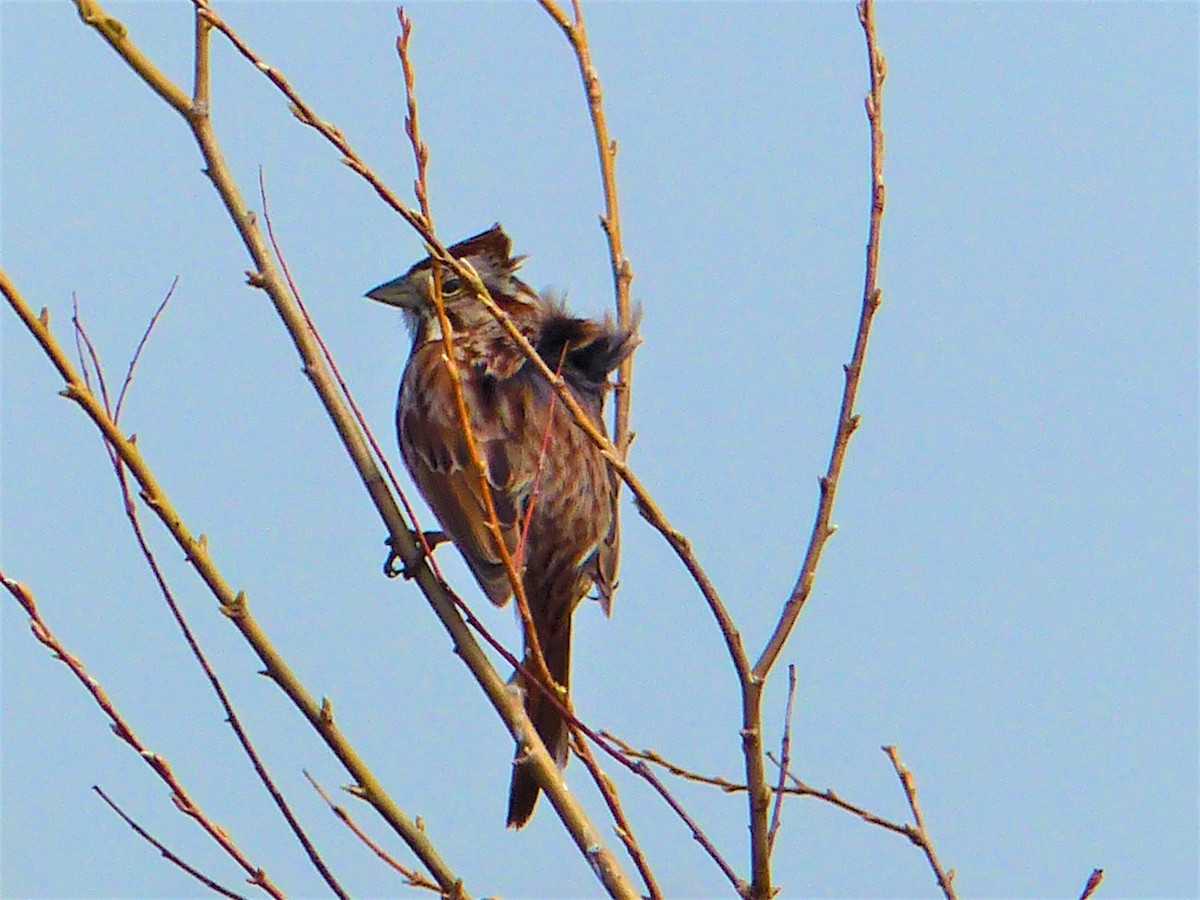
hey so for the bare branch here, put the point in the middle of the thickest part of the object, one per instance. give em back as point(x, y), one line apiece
point(606, 151)
point(122, 730)
point(168, 855)
point(624, 829)
point(231, 715)
point(412, 877)
point(785, 748)
point(921, 837)
point(137, 353)
point(233, 604)
point(847, 419)
point(822, 528)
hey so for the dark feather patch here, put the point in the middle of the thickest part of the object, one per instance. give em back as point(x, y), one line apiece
point(588, 350)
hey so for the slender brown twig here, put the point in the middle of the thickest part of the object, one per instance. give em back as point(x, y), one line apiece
point(166, 853)
point(822, 530)
point(785, 749)
point(137, 353)
point(533, 647)
point(848, 419)
point(131, 515)
point(831, 797)
point(606, 152)
point(412, 877)
point(380, 457)
point(621, 823)
point(921, 837)
point(798, 787)
point(121, 728)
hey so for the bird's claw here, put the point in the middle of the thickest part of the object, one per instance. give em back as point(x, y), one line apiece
point(394, 565)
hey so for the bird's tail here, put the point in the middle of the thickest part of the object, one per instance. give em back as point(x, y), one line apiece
point(547, 719)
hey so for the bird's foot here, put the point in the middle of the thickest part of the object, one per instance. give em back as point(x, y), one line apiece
point(394, 566)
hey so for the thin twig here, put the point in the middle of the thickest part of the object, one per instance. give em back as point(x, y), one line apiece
point(822, 530)
point(122, 730)
point(848, 419)
point(167, 854)
point(377, 451)
point(798, 788)
point(91, 362)
point(137, 353)
point(231, 715)
point(412, 877)
point(831, 797)
point(622, 272)
point(621, 823)
point(411, 123)
point(945, 879)
point(785, 748)
point(533, 647)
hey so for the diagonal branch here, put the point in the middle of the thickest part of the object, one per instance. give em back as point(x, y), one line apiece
point(412, 877)
point(82, 339)
point(167, 854)
point(918, 834)
point(232, 603)
point(121, 729)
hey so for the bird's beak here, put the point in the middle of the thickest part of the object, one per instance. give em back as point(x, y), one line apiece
point(397, 292)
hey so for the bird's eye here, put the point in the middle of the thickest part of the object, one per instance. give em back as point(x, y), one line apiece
point(451, 285)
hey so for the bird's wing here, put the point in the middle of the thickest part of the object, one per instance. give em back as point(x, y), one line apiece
point(435, 451)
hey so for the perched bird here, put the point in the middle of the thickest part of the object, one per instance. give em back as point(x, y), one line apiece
point(554, 495)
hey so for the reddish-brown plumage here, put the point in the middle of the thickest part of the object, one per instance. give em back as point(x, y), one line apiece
point(526, 441)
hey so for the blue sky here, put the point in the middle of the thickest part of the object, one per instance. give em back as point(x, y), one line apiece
point(1011, 596)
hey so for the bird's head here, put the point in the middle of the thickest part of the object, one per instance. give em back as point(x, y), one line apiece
point(489, 254)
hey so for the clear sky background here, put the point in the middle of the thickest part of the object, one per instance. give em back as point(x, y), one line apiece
point(1011, 596)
